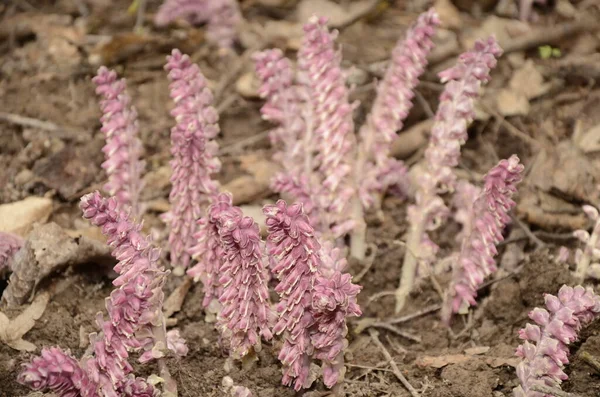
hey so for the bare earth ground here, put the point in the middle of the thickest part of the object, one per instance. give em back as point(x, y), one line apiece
point(49, 52)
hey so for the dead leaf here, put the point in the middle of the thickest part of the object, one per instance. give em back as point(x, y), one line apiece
point(174, 302)
point(477, 350)
point(588, 141)
point(449, 15)
point(12, 331)
point(338, 15)
point(529, 81)
point(19, 217)
point(442, 361)
point(255, 212)
point(247, 85)
point(505, 30)
point(48, 249)
point(512, 103)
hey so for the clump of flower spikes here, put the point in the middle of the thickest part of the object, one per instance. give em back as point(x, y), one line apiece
point(9, 245)
point(449, 132)
point(545, 350)
point(591, 250)
point(314, 116)
point(314, 300)
point(134, 306)
point(489, 218)
point(193, 149)
point(222, 17)
point(123, 147)
point(246, 309)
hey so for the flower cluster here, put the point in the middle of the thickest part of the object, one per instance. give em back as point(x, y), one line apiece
point(193, 149)
point(123, 147)
point(449, 133)
point(246, 309)
point(135, 318)
point(334, 299)
point(209, 252)
point(489, 218)
point(390, 108)
point(545, 350)
point(591, 250)
point(221, 16)
point(313, 305)
point(9, 245)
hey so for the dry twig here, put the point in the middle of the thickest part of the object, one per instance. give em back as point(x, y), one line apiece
point(374, 337)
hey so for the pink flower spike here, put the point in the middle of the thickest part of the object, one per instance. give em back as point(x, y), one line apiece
point(489, 216)
point(320, 64)
point(334, 300)
point(57, 371)
point(246, 309)
point(222, 16)
point(193, 149)
point(449, 133)
point(393, 102)
point(209, 252)
point(123, 147)
point(293, 250)
point(545, 350)
point(9, 245)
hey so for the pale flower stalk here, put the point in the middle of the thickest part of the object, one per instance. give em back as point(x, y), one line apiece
point(591, 249)
point(449, 133)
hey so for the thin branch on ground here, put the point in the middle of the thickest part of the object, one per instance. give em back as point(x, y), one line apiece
point(368, 263)
point(590, 360)
point(396, 330)
point(539, 243)
point(374, 337)
point(408, 317)
point(24, 121)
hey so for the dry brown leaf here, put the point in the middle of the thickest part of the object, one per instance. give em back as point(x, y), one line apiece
point(505, 30)
point(529, 81)
point(12, 331)
point(589, 141)
point(512, 103)
point(449, 14)
point(247, 85)
point(46, 250)
point(19, 217)
point(442, 361)
point(472, 351)
point(175, 300)
point(337, 14)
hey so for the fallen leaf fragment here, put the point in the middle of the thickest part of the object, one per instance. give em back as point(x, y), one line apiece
point(174, 302)
point(512, 103)
point(338, 15)
point(528, 81)
point(12, 331)
point(47, 249)
point(19, 217)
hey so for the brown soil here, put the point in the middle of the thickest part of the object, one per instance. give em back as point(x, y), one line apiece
point(37, 80)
